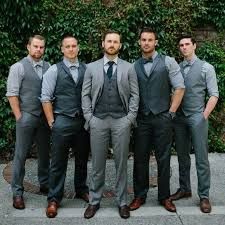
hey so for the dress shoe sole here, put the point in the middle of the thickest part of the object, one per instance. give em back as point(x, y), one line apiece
point(19, 207)
point(92, 215)
point(124, 213)
point(51, 215)
point(135, 208)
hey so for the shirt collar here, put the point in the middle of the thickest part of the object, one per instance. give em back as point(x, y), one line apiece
point(154, 55)
point(106, 60)
point(34, 63)
point(69, 64)
point(189, 62)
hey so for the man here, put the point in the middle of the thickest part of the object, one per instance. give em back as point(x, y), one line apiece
point(23, 92)
point(191, 124)
point(110, 103)
point(61, 100)
point(157, 74)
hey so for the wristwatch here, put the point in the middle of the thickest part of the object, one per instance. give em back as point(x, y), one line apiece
point(172, 114)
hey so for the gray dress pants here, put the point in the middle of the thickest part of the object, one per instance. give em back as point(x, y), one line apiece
point(193, 131)
point(29, 129)
point(101, 130)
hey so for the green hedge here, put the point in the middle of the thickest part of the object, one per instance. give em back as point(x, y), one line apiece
point(87, 20)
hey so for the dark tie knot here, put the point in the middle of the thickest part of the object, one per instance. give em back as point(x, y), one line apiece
point(147, 60)
point(111, 63)
point(72, 67)
point(37, 65)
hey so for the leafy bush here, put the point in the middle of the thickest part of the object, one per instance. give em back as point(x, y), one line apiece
point(214, 54)
point(87, 20)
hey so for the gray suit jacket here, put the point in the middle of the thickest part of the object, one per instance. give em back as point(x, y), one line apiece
point(127, 87)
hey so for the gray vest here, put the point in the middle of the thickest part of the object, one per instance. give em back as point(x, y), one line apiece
point(154, 90)
point(109, 103)
point(68, 93)
point(30, 89)
point(195, 89)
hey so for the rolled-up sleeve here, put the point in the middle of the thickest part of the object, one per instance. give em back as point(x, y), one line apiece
point(175, 76)
point(48, 84)
point(208, 72)
point(16, 75)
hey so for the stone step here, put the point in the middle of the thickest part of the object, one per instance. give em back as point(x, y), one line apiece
point(113, 212)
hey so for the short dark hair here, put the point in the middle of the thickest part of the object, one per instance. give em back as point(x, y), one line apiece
point(148, 30)
point(110, 32)
point(182, 36)
point(67, 35)
point(36, 36)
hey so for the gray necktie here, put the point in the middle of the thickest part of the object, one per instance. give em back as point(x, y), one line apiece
point(38, 70)
point(74, 73)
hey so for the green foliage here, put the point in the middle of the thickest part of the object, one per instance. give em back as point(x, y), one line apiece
point(87, 20)
point(214, 54)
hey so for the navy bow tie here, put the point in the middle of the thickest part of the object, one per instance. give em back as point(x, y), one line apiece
point(149, 60)
point(186, 63)
point(38, 65)
point(73, 67)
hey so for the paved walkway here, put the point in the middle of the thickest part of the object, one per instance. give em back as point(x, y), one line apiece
point(151, 213)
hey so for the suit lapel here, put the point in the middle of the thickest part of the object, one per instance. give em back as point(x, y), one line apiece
point(119, 71)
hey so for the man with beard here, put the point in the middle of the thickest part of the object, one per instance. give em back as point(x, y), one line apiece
point(110, 102)
point(23, 92)
point(191, 123)
point(61, 100)
point(157, 76)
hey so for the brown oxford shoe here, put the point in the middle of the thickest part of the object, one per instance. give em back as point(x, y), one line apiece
point(84, 196)
point(180, 194)
point(205, 205)
point(18, 202)
point(168, 205)
point(51, 210)
point(136, 203)
point(124, 211)
point(91, 210)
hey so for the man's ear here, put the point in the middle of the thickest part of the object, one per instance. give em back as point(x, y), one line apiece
point(28, 47)
point(156, 43)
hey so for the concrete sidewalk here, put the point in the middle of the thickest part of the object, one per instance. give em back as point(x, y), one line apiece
point(71, 211)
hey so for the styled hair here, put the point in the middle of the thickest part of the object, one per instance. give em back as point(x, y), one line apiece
point(67, 36)
point(148, 30)
point(193, 40)
point(36, 36)
point(110, 32)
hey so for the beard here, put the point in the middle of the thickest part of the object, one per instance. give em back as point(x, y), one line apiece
point(148, 50)
point(111, 51)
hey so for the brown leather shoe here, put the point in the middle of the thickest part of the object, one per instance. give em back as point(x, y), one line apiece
point(18, 202)
point(205, 205)
point(180, 194)
point(84, 196)
point(136, 203)
point(124, 211)
point(91, 210)
point(168, 205)
point(51, 210)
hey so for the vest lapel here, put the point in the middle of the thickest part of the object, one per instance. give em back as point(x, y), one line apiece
point(155, 62)
point(81, 71)
point(66, 69)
